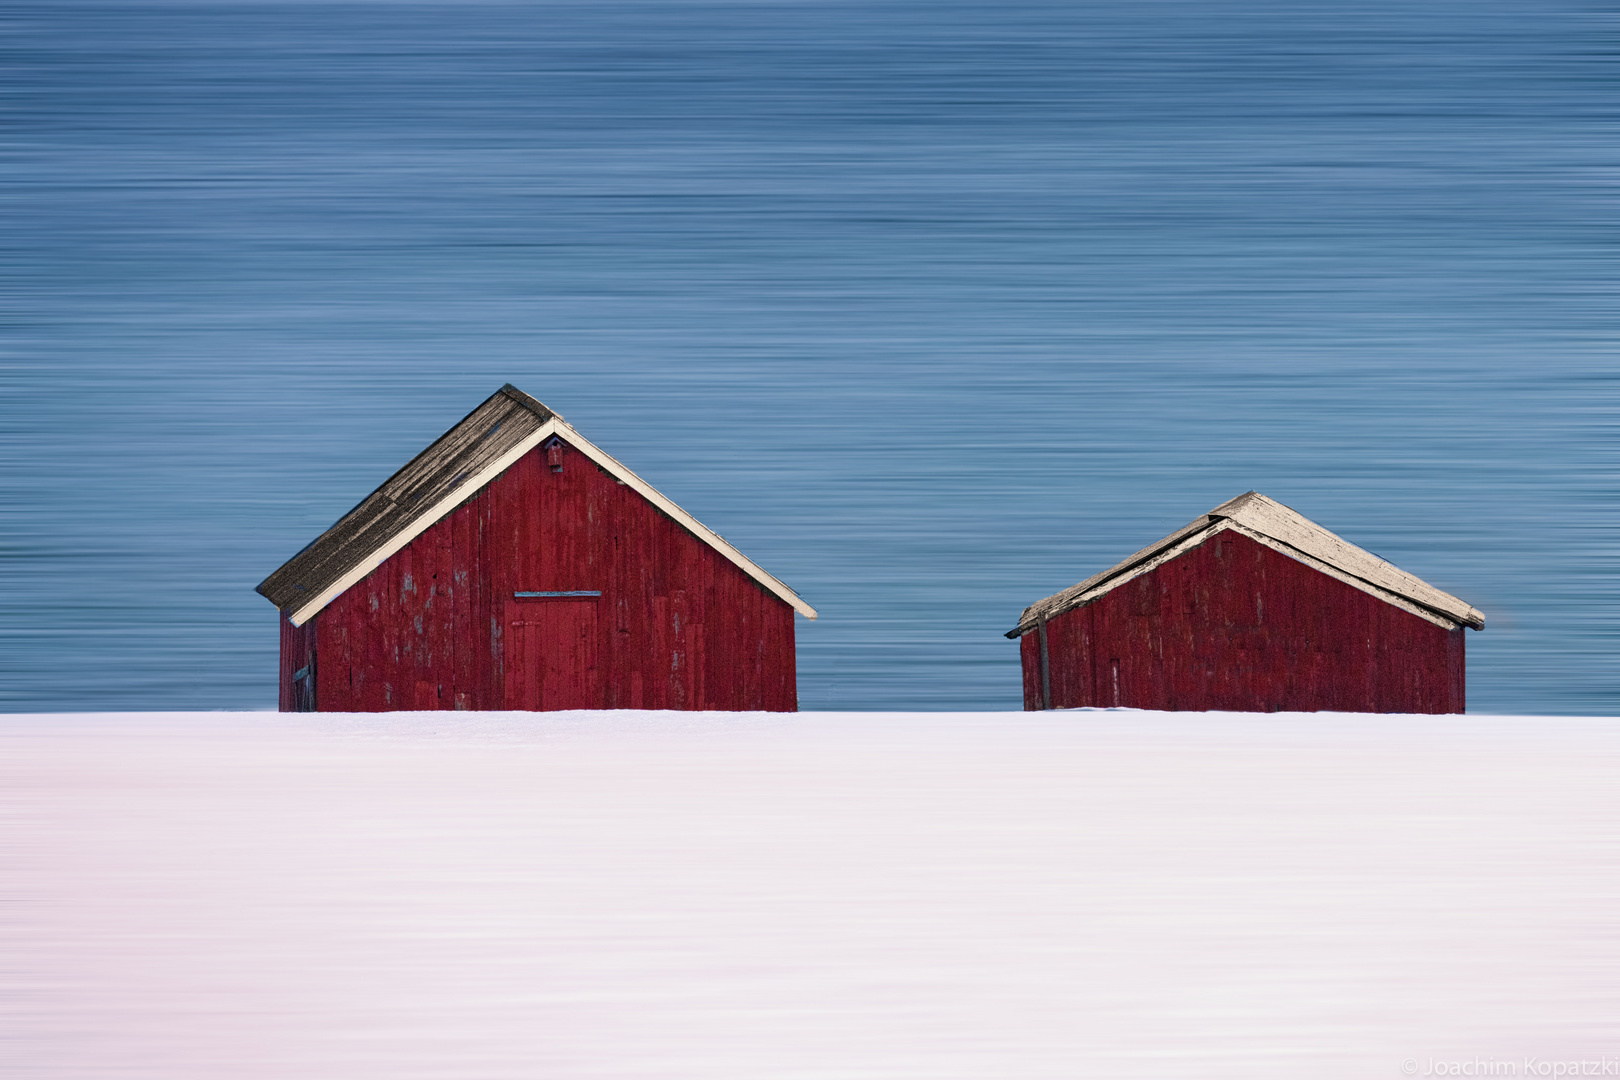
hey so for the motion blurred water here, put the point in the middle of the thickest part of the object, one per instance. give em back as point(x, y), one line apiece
point(931, 308)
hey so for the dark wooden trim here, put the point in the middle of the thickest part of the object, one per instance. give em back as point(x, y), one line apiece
point(298, 667)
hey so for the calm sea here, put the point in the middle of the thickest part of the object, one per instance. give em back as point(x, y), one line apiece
point(931, 308)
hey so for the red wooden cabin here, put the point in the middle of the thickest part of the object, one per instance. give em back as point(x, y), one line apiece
point(1251, 608)
point(514, 565)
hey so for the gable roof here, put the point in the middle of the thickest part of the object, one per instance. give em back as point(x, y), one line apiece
point(487, 442)
point(1281, 529)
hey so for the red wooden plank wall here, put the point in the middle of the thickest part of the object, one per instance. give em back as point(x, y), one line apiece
point(678, 626)
point(1234, 625)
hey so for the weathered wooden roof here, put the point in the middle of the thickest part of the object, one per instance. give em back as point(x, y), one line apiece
point(1282, 529)
point(459, 463)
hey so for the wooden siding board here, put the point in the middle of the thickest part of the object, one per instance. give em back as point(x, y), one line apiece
point(461, 661)
point(1029, 654)
point(336, 682)
point(485, 640)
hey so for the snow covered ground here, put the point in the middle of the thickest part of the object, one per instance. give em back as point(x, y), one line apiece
point(809, 897)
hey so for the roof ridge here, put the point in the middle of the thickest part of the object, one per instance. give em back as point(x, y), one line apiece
point(534, 405)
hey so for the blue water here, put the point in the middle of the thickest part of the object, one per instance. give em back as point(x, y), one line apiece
point(931, 308)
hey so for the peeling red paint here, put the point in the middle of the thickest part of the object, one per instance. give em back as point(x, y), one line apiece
point(677, 625)
point(1235, 625)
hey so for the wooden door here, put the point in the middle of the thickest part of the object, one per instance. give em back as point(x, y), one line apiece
point(549, 654)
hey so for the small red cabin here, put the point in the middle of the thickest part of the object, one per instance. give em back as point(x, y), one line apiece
point(514, 565)
point(1250, 608)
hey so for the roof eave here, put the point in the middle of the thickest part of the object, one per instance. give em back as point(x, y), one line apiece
point(619, 471)
point(1087, 591)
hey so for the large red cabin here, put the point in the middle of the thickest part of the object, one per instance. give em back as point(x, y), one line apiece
point(514, 565)
point(1251, 608)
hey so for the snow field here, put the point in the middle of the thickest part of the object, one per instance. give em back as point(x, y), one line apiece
point(833, 896)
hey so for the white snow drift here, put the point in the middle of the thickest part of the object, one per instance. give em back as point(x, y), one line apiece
point(809, 897)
